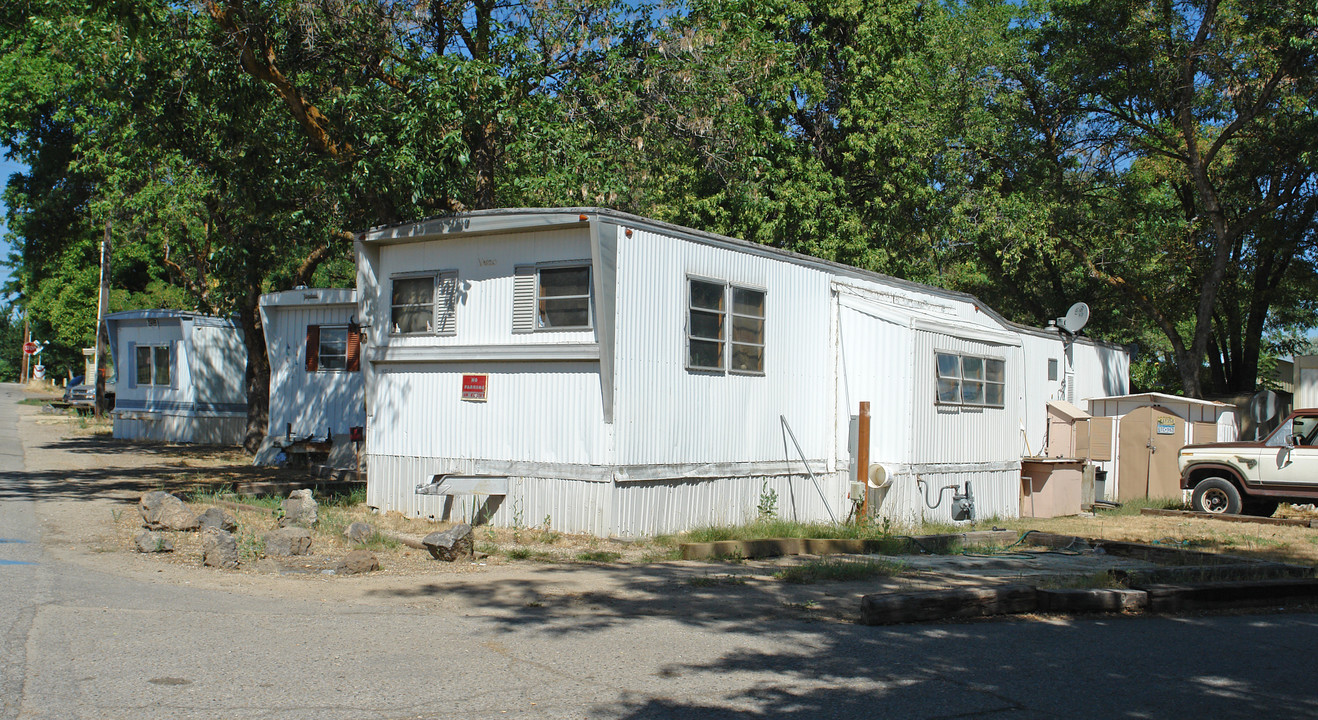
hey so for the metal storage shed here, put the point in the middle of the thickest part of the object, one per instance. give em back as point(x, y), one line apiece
point(612, 374)
point(180, 377)
point(1150, 429)
point(316, 388)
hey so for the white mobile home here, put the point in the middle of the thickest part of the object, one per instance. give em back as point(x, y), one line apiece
point(180, 377)
point(1059, 367)
point(606, 373)
point(316, 389)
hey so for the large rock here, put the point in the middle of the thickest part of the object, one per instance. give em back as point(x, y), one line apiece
point(300, 509)
point(288, 541)
point(153, 542)
point(217, 518)
point(218, 548)
point(450, 544)
point(162, 511)
point(359, 532)
point(357, 562)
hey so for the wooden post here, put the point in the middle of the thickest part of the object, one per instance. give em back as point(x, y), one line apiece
point(863, 458)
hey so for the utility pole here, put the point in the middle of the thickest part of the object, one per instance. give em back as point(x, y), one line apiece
point(27, 337)
point(102, 305)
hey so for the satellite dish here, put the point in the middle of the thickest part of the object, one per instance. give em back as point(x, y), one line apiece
point(1075, 318)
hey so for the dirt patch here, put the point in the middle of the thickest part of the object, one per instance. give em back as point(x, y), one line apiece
point(1265, 542)
point(89, 484)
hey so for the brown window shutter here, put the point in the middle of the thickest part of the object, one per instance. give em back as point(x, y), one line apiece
point(313, 347)
point(354, 358)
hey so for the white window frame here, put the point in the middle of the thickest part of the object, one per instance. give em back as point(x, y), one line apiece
point(589, 296)
point(443, 305)
point(156, 349)
point(959, 378)
point(320, 349)
point(727, 315)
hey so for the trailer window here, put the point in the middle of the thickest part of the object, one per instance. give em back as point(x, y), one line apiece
point(725, 328)
point(422, 304)
point(153, 365)
point(332, 348)
point(970, 380)
point(563, 298)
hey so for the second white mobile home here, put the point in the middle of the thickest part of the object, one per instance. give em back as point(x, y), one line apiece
point(606, 373)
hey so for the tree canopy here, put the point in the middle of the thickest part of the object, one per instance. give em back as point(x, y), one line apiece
point(1156, 159)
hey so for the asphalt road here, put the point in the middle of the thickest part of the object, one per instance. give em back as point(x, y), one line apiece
point(80, 643)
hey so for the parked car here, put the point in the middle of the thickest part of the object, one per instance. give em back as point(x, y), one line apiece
point(82, 397)
point(1252, 477)
point(74, 381)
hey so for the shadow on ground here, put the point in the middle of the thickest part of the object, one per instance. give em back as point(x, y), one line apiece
point(178, 468)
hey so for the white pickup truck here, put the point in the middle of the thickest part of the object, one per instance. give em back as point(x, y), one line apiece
point(1252, 477)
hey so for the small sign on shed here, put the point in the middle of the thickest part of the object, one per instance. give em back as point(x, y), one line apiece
point(1166, 426)
point(473, 387)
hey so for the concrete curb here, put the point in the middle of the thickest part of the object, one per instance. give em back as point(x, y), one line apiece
point(1292, 522)
point(777, 547)
point(880, 609)
point(1092, 600)
point(1210, 595)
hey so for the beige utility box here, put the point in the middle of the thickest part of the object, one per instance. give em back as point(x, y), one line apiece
point(1074, 433)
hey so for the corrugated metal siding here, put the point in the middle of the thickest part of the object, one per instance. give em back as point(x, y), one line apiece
point(1097, 371)
point(311, 401)
point(217, 362)
point(541, 412)
point(667, 414)
point(996, 492)
point(138, 332)
point(602, 508)
point(955, 434)
point(182, 429)
point(568, 505)
point(652, 508)
point(485, 268)
point(875, 367)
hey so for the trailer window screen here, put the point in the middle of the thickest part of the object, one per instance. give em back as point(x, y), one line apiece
point(153, 366)
point(725, 328)
point(333, 348)
point(970, 380)
point(425, 304)
point(413, 302)
point(563, 298)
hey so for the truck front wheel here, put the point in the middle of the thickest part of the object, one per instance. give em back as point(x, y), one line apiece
point(1217, 496)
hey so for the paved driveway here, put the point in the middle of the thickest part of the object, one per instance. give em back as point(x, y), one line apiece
point(84, 637)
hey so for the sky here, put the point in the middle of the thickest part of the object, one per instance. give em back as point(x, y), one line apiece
point(7, 168)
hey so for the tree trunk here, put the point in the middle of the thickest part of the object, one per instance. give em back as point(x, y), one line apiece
point(257, 377)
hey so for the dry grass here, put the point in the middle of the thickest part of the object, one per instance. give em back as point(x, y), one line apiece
point(1271, 542)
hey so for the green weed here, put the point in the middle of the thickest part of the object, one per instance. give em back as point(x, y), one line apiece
point(521, 553)
point(603, 556)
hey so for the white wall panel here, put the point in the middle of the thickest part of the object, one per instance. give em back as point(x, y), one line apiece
point(485, 282)
point(962, 434)
point(181, 429)
point(311, 401)
point(665, 413)
point(996, 492)
point(875, 365)
point(547, 412)
point(217, 364)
